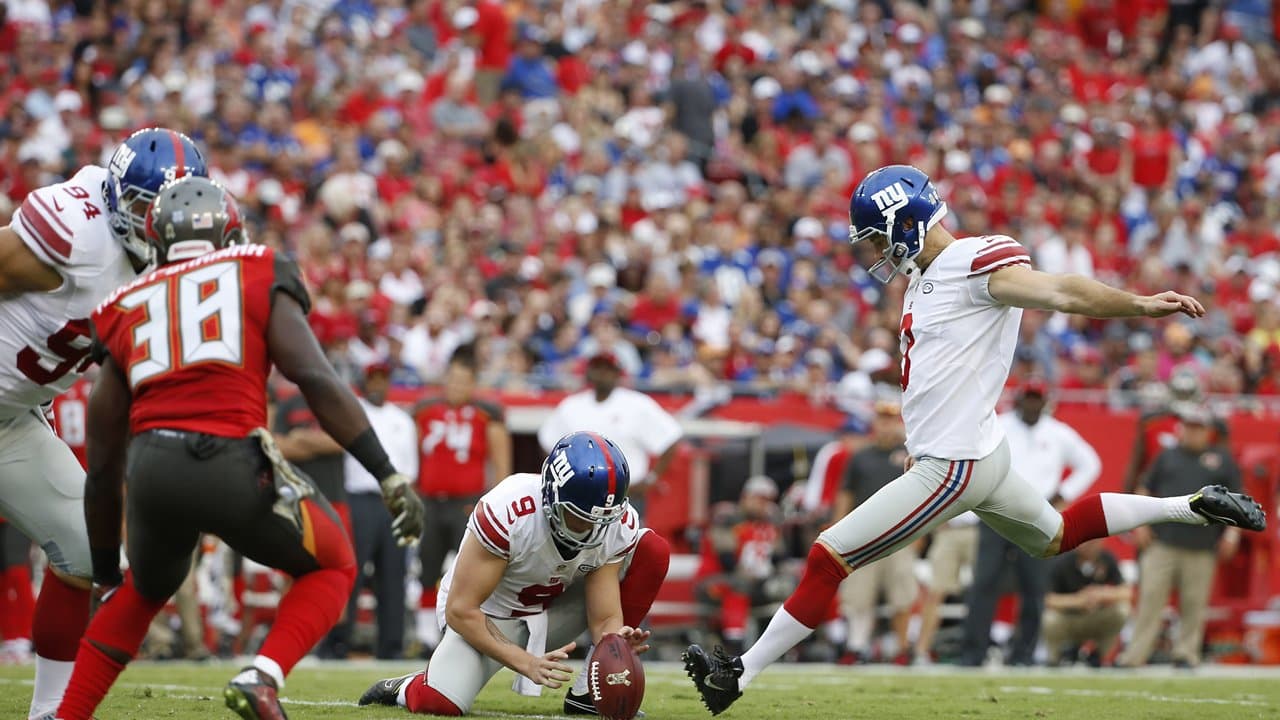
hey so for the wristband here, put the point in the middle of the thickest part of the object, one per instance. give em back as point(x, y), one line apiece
point(106, 566)
point(367, 451)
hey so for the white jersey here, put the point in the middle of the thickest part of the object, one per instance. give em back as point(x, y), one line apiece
point(44, 337)
point(1043, 452)
point(957, 347)
point(508, 522)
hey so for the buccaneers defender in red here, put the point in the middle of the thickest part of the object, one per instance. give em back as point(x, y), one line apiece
point(185, 354)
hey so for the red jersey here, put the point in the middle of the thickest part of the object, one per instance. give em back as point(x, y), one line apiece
point(70, 410)
point(191, 339)
point(455, 446)
point(1151, 157)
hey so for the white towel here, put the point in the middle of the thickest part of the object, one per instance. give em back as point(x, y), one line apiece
point(537, 646)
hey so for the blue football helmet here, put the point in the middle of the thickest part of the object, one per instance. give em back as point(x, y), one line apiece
point(896, 205)
point(585, 476)
point(146, 160)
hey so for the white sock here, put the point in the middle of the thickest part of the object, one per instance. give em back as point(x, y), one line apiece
point(580, 682)
point(271, 668)
point(52, 677)
point(403, 693)
point(1126, 512)
point(784, 632)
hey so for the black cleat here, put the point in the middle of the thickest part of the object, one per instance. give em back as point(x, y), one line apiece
point(715, 677)
point(385, 692)
point(254, 697)
point(579, 704)
point(582, 705)
point(1225, 507)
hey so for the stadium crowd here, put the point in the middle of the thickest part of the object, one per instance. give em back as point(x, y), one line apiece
point(671, 180)
point(668, 182)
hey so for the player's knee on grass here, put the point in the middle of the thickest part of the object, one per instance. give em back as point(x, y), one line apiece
point(422, 699)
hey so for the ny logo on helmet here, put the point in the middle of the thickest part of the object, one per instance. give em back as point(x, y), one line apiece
point(890, 199)
point(561, 470)
point(121, 160)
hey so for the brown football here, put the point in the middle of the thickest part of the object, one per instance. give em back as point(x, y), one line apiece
point(615, 678)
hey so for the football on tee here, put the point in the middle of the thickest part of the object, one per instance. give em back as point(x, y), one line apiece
point(615, 678)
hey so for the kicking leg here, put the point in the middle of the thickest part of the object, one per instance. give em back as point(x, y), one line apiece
point(903, 510)
point(1018, 512)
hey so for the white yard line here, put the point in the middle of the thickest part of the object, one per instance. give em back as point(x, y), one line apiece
point(1130, 694)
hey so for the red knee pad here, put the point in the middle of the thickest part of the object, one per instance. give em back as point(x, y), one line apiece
point(649, 563)
point(59, 619)
point(422, 699)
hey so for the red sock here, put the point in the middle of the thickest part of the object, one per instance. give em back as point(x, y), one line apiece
point(428, 599)
point(1083, 521)
point(93, 676)
point(822, 576)
point(422, 699)
point(17, 603)
point(120, 625)
point(60, 616)
point(735, 608)
point(648, 569)
point(307, 613)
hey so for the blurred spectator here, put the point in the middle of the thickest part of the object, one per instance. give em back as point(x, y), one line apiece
point(1158, 427)
point(530, 71)
point(815, 499)
point(455, 116)
point(740, 552)
point(634, 421)
point(382, 563)
point(430, 342)
point(1086, 607)
point(881, 462)
point(1181, 557)
point(1042, 450)
point(465, 450)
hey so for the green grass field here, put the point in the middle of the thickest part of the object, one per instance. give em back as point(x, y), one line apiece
point(802, 692)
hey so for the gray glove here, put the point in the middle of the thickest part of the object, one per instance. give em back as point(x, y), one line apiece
point(405, 506)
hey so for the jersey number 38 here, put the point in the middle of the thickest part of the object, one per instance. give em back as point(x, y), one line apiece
point(204, 325)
